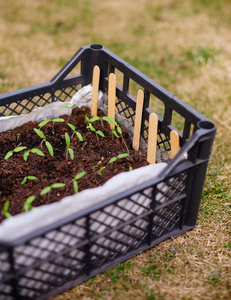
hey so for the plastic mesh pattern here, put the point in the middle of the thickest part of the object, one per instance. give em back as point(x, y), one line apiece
point(5, 276)
point(27, 105)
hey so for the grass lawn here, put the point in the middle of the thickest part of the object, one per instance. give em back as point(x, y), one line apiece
point(184, 46)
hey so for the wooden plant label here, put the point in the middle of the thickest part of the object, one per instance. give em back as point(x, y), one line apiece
point(138, 119)
point(152, 138)
point(95, 90)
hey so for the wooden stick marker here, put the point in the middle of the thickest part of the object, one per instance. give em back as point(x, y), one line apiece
point(111, 97)
point(152, 138)
point(138, 119)
point(95, 90)
point(175, 142)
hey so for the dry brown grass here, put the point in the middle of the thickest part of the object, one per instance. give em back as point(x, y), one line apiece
point(186, 47)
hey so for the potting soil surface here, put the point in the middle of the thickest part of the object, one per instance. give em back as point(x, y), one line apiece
point(90, 156)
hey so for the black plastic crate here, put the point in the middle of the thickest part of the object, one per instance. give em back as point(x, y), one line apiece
point(61, 266)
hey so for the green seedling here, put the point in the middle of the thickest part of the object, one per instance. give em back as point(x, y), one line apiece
point(113, 159)
point(130, 168)
point(92, 128)
point(74, 180)
point(34, 150)
point(11, 152)
point(68, 107)
point(28, 178)
point(79, 135)
point(56, 120)
point(100, 169)
point(42, 136)
point(5, 212)
point(48, 188)
point(109, 120)
point(27, 205)
point(70, 150)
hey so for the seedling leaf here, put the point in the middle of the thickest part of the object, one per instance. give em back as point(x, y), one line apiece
point(79, 135)
point(39, 133)
point(113, 159)
point(100, 133)
point(45, 190)
point(25, 155)
point(31, 177)
point(71, 126)
point(79, 175)
point(58, 185)
point(115, 134)
point(59, 120)
point(27, 205)
point(93, 119)
point(6, 205)
point(75, 186)
point(18, 149)
point(50, 148)
point(86, 117)
point(37, 151)
point(24, 180)
point(67, 138)
point(109, 119)
point(119, 129)
point(71, 151)
point(122, 155)
point(41, 124)
point(5, 209)
point(8, 154)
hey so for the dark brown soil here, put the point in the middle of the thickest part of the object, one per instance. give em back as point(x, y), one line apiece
point(58, 168)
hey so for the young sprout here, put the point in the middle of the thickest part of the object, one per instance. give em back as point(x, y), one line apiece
point(34, 150)
point(48, 188)
point(70, 150)
point(79, 135)
point(42, 136)
point(28, 178)
point(74, 180)
point(11, 152)
point(56, 120)
point(100, 169)
point(113, 159)
point(5, 212)
point(111, 120)
point(68, 107)
point(27, 205)
point(91, 127)
point(130, 168)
